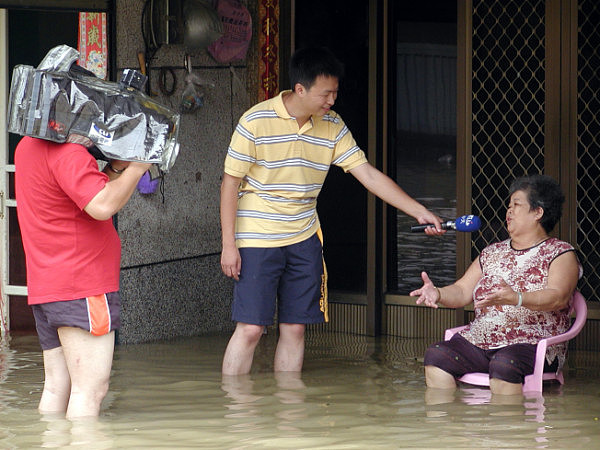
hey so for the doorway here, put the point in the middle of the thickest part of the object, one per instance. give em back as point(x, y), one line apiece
point(393, 51)
point(342, 203)
point(422, 129)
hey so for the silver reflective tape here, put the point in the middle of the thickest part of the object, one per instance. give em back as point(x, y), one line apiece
point(35, 93)
point(46, 105)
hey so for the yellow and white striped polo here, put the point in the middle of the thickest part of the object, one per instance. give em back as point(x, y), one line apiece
point(282, 170)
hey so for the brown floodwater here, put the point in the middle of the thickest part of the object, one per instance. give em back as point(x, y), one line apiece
point(355, 392)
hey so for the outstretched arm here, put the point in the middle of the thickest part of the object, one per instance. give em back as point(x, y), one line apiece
point(386, 189)
point(455, 295)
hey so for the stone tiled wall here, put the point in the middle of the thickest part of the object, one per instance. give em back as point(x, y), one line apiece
point(166, 300)
point(171, 283)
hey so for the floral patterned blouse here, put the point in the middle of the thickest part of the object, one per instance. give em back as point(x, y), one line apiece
point(524, 271)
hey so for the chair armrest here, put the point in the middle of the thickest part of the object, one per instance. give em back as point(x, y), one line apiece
point(452, 331)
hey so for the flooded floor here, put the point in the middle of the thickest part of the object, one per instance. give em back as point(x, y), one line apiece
point(355, 392)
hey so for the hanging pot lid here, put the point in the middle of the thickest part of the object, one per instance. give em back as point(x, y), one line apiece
point(202, 25)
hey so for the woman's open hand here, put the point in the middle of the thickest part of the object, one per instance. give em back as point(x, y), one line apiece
point(428, 293)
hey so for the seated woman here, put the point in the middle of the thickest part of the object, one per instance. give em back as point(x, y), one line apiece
point(521, 289)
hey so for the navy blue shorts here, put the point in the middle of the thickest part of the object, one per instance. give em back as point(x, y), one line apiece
point(458, 357)
point(284, 278)
point(98, 314)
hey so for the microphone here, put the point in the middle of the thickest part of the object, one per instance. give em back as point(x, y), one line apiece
point(463, 223)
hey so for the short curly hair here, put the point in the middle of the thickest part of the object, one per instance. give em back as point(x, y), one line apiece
point(542, 192)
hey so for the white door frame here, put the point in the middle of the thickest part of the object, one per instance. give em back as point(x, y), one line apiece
point(5, 169)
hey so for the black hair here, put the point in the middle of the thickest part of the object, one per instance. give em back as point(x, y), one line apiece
point(308, 63)
point(542, 192)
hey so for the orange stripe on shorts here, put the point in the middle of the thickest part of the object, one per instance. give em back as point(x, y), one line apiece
point(98, 314)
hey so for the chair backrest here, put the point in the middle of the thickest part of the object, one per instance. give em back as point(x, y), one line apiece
point(579, 308)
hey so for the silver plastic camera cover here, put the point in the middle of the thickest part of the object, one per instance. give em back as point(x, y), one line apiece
point(52, 101)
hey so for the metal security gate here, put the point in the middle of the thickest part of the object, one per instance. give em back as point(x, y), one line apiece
point(522, 119)
point(588, 144)
point(508, 105)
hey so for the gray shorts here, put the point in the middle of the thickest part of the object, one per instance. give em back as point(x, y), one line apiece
point(98, 314)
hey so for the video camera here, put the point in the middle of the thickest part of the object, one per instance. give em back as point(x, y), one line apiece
point(60, 98)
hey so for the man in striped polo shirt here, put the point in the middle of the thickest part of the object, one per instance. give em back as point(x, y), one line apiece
point(277, 161)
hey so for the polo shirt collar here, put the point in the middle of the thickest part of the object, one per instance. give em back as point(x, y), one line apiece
point(282, 112)
point(280, 107)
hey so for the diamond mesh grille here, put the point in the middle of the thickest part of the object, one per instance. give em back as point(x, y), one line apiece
point(508, 117)
point(588, 144)
point(508, 105)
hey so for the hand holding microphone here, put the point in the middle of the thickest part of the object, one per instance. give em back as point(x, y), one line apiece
point(465, 223)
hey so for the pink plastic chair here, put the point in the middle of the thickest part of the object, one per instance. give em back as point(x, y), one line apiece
point(533, 382)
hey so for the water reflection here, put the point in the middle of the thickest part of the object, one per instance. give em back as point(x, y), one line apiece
point(239, 390)
point(246, 401)
point(355, 392)
point(291, 392)
point(6, 365)
point(81, 433)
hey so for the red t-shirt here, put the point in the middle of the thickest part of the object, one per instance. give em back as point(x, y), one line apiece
point(69, 254)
